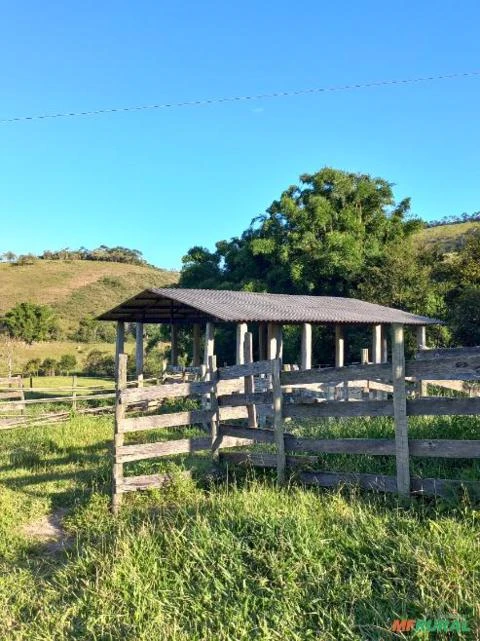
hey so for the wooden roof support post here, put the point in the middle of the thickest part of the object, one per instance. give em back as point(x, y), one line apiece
point(422, 386)
point(242, 329)
point(174, 345)
point(377, 344)
point(196, 360)
point(209, 342)
point(400, 410)
point(306, 356)
point(384, 344)
point(139, 353)
point(119, 344)
point(262, 342)
point(275, 341)
point(339, 346)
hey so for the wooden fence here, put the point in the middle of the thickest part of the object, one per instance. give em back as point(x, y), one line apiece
point(232, 395)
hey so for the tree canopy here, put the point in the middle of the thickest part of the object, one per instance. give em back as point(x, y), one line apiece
point(30, 322)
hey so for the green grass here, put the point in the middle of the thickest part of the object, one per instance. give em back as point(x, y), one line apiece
point(77, 288)
point(449, 238)
point(230, 561)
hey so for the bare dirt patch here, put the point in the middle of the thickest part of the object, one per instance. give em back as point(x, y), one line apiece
point(48, 530)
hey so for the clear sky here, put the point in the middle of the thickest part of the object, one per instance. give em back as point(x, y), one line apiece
point(162, 181)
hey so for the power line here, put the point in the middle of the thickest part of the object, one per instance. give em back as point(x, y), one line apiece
point(217, 101)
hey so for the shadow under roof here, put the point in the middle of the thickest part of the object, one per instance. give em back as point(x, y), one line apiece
point(182, 306)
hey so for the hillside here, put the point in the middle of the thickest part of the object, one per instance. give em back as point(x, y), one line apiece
point(76, 288)
point(449, 238)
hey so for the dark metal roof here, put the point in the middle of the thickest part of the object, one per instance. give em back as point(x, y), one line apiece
point(171, 305)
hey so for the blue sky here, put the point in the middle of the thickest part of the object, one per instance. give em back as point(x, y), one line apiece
point(162, 181)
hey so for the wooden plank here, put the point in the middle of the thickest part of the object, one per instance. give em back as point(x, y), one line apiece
point(255, 434)
point(60, 399)
point(445, 448)
point(265, 459)
point(249, 380)
point(149, 481)
point(400, 410)
point(378, 482)
point(235, 400)
point(331, 375)
point(370, 446)
point(338, 409)
point(14, 393)
point(172, 390)
point(452, 352)
point(247, 369)
point(144, 451)
point(441, 406)
point(278, 420)
point(231, 413)
point(174, 419)
point(229, 387)
point(443, 487)
point(464, 368)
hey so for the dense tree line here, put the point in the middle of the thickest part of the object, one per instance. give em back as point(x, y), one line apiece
point(102, 253)
point(343, 234)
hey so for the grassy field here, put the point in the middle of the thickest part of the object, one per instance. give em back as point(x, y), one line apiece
point(227, 561)
point(77, 288)
point(56, 349)
point(449, 238)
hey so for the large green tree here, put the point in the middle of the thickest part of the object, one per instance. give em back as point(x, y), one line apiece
point(319, 237)
point(30, 322)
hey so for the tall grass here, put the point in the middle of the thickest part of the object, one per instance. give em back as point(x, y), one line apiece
point(228, 561)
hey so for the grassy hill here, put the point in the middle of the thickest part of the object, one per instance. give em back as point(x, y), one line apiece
point(449, 238)
point(77, 288)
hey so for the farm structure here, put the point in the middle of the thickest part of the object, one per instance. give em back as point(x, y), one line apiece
point(251, 401)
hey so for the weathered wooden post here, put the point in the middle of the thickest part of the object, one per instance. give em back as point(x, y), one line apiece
point(275, 341)
point(422, 386)
point(339, 346)
point(278, 421)
point(139, 353)
point(364, 361)
point(400, 410)
point(242, 329)
point(249, 380)
point(377, 352)
point(306, 355)
point(384, 345)
point(121, 383)
point(215, 419)
point(209, 347)
point(196, 358)
point(120, 344)
point(74, 392)
point(174, 346)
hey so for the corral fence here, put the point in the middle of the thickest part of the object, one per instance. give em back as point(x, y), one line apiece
point(249, 404)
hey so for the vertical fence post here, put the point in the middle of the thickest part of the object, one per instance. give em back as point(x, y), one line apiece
point(74, 392)
point(400, 410)
point(120, 344)
point(278, 420)
point(121, 383)
point(139, 353)
point(249, 380)
point(422, 386)
point(214, 421)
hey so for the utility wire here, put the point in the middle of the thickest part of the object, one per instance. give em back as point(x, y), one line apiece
point(217, 101)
